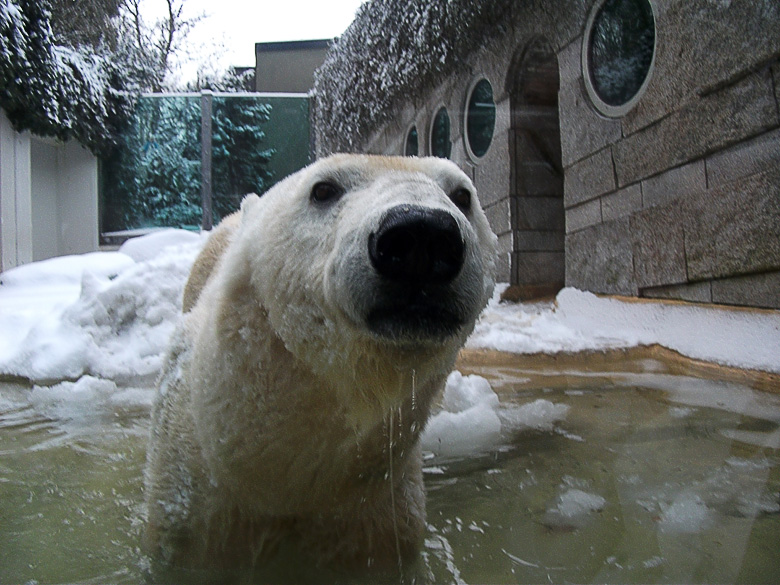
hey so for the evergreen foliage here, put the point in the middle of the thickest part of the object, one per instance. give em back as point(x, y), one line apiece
point(239, 159)
point(53, 90)
point(154, 176)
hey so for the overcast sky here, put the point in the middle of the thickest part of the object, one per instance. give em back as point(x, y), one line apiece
point(228, 34)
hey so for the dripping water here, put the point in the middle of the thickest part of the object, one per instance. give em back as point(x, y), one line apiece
point(414, 390)
point(392, 491)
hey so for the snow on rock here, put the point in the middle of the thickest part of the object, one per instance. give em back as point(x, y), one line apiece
point(535, 328)
point(115, 325)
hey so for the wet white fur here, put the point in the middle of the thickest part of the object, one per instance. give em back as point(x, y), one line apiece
point(280, 417)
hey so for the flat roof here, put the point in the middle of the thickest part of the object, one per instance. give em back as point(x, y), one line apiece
point(293, 45)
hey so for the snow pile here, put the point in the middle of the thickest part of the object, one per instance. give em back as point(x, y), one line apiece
point(579, 321)
point(110, 315)
point(472, 420)
point(115, 323)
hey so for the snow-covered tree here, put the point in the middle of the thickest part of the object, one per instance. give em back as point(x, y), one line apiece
point(79, 23)
point(240, 155)
point(392, 50)
point(55, 90)
point(153, 177)
point(151, 46)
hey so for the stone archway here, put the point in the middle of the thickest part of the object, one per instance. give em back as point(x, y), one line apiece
point(537, 212)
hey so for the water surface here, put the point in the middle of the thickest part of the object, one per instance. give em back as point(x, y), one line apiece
point(654, 475)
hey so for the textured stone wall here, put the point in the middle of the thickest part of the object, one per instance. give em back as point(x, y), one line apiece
point(678, 198)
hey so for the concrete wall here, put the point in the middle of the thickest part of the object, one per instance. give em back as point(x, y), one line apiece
point(48, 198)
point(677, 198)
point(15, 199)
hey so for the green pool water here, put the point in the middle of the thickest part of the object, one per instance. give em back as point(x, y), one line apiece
point(653, 476)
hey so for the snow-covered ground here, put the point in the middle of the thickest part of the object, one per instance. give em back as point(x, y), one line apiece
point(91, 331)
point(109, 315)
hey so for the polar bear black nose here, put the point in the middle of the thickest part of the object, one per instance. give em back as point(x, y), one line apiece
point(417, 245)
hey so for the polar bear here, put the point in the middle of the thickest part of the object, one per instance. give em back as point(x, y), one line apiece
point(319, 323)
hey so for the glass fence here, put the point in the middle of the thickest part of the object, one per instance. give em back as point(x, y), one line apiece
point(178, 166)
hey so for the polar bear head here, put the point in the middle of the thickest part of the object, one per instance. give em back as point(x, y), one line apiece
point(359, 253)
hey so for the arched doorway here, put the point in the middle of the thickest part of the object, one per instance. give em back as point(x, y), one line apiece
point(538, 221)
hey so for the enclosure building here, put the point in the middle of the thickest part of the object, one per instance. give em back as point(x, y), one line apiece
point(288, 67)
point(626, 147)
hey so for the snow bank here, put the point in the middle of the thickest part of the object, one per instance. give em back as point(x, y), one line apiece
point(580, 321)
point(110, 315)
point(103, 314)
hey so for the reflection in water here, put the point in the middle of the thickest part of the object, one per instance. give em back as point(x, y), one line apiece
point(649, 477)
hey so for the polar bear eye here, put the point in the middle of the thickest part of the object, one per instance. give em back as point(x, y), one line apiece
point(326, 191)
point(462, 198)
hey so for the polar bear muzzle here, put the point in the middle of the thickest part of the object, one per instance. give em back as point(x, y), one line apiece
point(417, 246)
point(417, 253)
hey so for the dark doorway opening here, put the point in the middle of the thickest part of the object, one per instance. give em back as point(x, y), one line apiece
point(538, 221)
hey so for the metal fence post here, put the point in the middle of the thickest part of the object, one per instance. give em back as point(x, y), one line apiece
point(206, 192)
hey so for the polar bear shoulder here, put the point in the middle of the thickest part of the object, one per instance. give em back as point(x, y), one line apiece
point(209, 256)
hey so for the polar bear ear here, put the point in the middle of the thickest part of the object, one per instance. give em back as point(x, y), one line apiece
point(248, 206)
point(249, 202)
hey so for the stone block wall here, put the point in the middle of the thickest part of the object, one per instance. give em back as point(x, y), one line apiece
point(678, 198)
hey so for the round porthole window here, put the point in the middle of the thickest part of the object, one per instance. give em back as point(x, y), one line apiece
point(480, 118)
point(440, 135)
point(411, 148)
point(618, 53)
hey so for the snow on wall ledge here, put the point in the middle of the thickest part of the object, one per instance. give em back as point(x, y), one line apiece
point(581, 321)
point(109, 315)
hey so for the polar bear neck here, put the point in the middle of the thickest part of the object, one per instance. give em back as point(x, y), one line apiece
point(340, 421)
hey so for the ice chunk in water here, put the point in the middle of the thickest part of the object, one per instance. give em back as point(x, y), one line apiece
point(688, 514)
point(468, 422)
point(539, 415)
point(472, 420)
point(464, 392)
point(572, 508)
